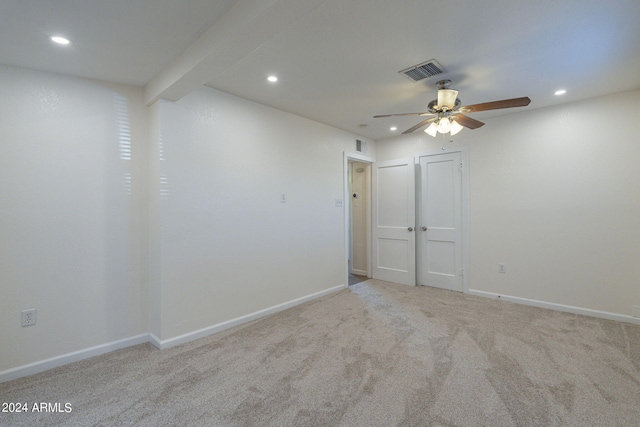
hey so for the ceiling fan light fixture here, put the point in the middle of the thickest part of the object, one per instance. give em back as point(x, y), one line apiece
point(447, 98)
point(444, 125)
point(432, 129)
point(455, 127)
point(449, 115)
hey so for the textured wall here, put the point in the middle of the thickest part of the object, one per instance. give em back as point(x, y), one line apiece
point(554, 195)
point(119, 219)
point(70, 183)
point(228, 247)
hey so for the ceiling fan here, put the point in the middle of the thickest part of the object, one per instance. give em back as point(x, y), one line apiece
point(446, 114)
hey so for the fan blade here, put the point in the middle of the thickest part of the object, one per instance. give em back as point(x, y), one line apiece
point(403, 114)
point(419, 125)
point(467, 121)
point(496, 105)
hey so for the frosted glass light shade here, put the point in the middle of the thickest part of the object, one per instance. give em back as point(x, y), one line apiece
point(444, 126)
point(432, 129)
point(447, 98)
point(455, 127)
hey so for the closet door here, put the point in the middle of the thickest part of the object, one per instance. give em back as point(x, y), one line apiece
point(393, 220)
point(439, 234)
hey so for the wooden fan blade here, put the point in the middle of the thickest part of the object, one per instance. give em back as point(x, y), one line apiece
point(496, 105)
point(419, 125)
point(467, 121)
point(403, 114)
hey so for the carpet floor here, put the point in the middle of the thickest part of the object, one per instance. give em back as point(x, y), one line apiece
point(376, 354)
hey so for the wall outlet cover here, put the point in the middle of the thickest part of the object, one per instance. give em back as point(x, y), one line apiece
point(29, 317)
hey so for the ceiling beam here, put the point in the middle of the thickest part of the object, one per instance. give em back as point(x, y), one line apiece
point(248, 25)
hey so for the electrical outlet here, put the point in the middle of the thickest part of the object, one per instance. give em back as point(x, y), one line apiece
point(636, 311)
point(502, 268)
point(29, 317)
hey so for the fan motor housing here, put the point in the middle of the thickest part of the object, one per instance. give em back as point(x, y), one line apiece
point(433, 104)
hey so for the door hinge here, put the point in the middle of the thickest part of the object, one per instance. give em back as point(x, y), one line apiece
point(460, 167)
point(462, 272)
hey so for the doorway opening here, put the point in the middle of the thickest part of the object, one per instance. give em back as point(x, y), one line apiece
point(357, 173)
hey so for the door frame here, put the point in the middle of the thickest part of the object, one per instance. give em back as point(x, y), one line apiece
point(349, 157)
point(464, 159)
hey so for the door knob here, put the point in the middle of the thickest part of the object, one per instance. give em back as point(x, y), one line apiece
point(423, 228)
point(410, 228)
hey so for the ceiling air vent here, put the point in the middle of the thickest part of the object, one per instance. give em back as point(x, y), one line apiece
point(424, 70)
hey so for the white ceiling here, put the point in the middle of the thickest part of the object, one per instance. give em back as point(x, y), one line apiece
point(337, 60)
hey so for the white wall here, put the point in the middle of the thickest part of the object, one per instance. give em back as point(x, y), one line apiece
point(70, 214)
point(554, 195)
point(119, 220)
point(103, 256)
point(228, 246)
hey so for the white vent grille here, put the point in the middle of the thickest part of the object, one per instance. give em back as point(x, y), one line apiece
point(424, 70)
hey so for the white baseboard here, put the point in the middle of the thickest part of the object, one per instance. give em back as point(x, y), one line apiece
point(558, 307)
point(210, 330)
point(358, 272)
point(155, 341)
point(54, 362)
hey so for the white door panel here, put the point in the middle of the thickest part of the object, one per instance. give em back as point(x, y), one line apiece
point(394, 221)
point(393, 254)
point(440, 221)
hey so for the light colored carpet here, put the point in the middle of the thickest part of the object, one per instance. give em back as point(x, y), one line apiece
point(376, 354)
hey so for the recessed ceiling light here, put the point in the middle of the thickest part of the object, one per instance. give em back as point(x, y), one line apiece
point(60, 40)
point(560, 92)
point(272, 79)
point(393, 128)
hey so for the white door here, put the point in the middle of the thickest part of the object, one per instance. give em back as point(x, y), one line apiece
point(394, 221)
point(439, 230)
